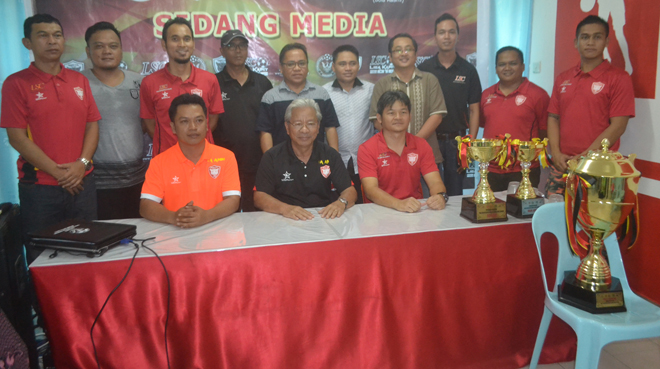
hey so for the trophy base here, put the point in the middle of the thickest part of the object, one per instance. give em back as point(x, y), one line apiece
point(483, 213)
point(603, 302)
point(520, 208)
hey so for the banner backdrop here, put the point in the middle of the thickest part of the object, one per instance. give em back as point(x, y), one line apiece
point(270, 24)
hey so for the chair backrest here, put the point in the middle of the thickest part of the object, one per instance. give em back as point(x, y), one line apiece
point(551, 218)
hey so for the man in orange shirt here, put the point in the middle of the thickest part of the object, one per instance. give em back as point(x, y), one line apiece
point(193, 182)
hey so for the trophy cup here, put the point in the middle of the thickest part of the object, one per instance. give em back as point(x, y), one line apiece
point(525, 202)
point(482, 207)
point(601, 193)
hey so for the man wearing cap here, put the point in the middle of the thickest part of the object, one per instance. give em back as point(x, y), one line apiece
point(178, 76)
point(242, 90)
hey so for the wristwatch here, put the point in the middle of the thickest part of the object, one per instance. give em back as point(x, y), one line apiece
point(444, 195)
point(344, 201)
point(88, 164)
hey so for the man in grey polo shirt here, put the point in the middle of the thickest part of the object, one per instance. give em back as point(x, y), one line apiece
point(118, 165)
point(270, 124)
point(351, 98)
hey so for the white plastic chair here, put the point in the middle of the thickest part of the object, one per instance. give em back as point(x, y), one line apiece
point(594, 331)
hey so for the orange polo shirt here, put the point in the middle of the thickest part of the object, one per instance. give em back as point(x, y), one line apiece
point(175, 180)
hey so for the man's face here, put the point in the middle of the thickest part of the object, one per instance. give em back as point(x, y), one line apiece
point(236, 53)
point(46, 42)
point(446, 35)
point(591, 41)
point(303, 127)
point(179, 44)
point(509, 67)
point(189, 124)
point(395, 118)
point(292, 71)
point(346, 67)
point(403, 53)
point(104, 50)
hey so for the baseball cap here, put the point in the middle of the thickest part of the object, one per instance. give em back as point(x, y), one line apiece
point(230, 35)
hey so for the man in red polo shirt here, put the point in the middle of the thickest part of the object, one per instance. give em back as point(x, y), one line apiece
point(51, 120)
point(515, 106)
point(591, 101)
point(178, 76)
point(391, 162)
point(193, 182)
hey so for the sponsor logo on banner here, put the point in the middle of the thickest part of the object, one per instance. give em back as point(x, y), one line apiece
point(198, 62)
point(520, 99)
point(75, 65)
point(214, 171)
point(175, 180)
point(258, 65)
point(40, 96)
point(597, 87)
point(325, 171)
point(123, 65)
point(196, 91)
point(79, 92)
point(287, 177)
point(421, 59)
point(150, 67)
point(219, 63)
point(324, 66)
point(412, 158)
point(380, 64)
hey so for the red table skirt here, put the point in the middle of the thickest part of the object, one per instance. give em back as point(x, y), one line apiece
point(447, 299)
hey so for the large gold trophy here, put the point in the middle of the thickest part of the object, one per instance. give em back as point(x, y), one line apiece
point(482, 207)
point(601, 193)
point(524, 202)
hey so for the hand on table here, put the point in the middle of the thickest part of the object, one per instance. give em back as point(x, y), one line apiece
point(190, 216)
point(297, 213)
point(409, 205)
point(334, 210)
point(436, 202)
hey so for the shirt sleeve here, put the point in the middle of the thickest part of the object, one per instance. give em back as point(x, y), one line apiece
point(14, 105)
point(427, 160)
point(265, 180)
point(436, 97)
point(366, 162)
point(216, 106)
point(231, 184)
point(622, 101)
point(266, 119)
point(338, 172)
point(541, 109)
point(147, 109)
point(475, 87)
point(153, 187)
point(93, 114)
point(329, 118)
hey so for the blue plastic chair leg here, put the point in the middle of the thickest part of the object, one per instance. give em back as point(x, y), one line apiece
point(540, 338)
point(588, 352)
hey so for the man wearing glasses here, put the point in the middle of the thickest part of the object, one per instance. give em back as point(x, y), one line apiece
point(423, 89)
point(302, 172)
point(293, 65)
point(242, 90)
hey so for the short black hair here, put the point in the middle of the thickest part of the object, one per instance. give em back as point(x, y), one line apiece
point(292, 46)
point(185, 99)
point(344, 48)
point(443, 18)
point(389, 98)
point(38, 18)
point(510, 48)
point(593, 19)
point(177, 20)
point(100, 26)
point(400, 35)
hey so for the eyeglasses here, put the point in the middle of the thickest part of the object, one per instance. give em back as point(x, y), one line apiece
point(234, 47)
point(407, 50)
point(301, 64)
point(299, 125)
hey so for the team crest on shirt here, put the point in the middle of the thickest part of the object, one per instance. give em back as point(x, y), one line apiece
point(214, 171)
point(196, 91)
point(325, 171)
point(412, 158)
point(80, 93)
point(597, 87)
point(520, 99)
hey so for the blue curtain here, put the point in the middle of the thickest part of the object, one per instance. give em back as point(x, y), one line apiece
point(15, 57)
point(510, 25)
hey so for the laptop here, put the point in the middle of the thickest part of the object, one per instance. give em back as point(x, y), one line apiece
point(90, 238)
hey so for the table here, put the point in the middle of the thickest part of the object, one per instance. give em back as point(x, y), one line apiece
point(372, 289)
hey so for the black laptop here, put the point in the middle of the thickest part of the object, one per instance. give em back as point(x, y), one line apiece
point(90, 238)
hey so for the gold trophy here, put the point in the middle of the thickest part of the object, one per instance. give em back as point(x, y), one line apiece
point(601, 194)
point(525, 202)
point(482, 207)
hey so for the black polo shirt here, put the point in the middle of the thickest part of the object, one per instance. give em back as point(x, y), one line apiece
point(461, 87)
point(236, 126)
point(285, 177)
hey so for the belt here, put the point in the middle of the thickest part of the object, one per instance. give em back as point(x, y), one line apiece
point(449, 136)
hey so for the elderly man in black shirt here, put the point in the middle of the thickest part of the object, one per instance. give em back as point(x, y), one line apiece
point(301, 172)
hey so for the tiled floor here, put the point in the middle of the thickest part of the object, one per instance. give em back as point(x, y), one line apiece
point(639, 354)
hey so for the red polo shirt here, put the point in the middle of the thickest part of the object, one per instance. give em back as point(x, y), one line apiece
point(521, 114)
point(585, 102)
point(54, 109)
point(176, 181)
point(156, 94)
point(397, 175)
